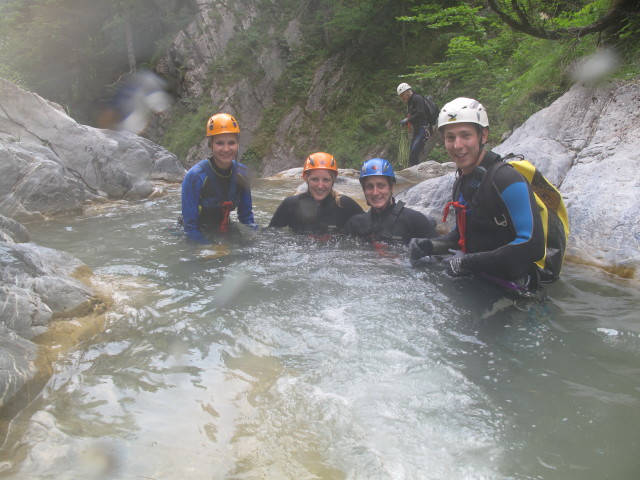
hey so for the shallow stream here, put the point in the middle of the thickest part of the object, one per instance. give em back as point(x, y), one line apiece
point(276, 356)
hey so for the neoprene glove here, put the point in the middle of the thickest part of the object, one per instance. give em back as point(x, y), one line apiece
point(455, 264)
point(420, 247)
point(404, 121)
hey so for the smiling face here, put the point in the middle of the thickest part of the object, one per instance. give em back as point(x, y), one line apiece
point(225, 149)
point(377, 191)
point(320, 182)
point(462, 142)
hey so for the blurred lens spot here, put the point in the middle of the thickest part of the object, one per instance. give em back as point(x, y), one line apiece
point(231, 287)
point(101, 459)
point(136, 99)
point(595, 67)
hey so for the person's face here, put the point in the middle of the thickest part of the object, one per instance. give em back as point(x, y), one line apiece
point(225, 148)
point(406, 95)
point(462, 142)
point(320, 182)
point(377, 191)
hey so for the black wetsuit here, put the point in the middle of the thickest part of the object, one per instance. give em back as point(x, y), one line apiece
point(504, 236)
point(417, 116)
point(394, 223)
point(302, 213)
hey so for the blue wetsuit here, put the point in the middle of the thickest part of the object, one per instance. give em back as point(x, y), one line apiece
point(208, 195)
point(504, 235)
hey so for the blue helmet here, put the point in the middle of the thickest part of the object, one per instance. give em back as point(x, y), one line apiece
point(377, 166)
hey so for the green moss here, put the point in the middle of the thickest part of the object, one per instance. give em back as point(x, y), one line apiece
point(186, 130)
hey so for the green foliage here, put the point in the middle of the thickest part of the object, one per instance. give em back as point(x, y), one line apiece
point(542, 79)
point(186, 129)
point(629, 47)
point(368, 134)
point(68, 50)
point(458, 49)
point(252, 158)
point(513, 74)
point(434, 16)
point(402, 159)
point(554, 14)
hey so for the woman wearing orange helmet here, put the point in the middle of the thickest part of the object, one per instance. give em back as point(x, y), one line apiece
point(217, 185)
point(321, 209)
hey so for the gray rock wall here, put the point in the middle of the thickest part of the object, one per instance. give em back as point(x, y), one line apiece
point(587, 143)
point(205, 41)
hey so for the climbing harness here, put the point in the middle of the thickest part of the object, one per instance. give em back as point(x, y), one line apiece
point(461, 219)
point(226, 207)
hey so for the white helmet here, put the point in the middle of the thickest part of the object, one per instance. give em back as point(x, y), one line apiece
point(463, 110)
point(403, 87)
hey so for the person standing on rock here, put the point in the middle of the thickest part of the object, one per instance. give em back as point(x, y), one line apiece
point(321, 209)
point(386, 220)
point(499, 232)
point(218, 185)
point(418, 118)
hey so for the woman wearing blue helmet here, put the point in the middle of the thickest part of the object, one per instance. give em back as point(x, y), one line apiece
point(386, 219)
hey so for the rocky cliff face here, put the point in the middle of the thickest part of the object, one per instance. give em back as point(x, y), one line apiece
point(214, 30)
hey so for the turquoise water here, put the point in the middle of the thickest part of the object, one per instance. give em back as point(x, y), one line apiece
point(274, 356)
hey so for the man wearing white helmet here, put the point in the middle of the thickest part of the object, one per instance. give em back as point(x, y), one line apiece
point(418, 118)
point(498, 231)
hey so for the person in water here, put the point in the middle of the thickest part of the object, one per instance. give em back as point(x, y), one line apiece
point(387, 219)
point(218, 185)
point(321, 209)
point(498, 232)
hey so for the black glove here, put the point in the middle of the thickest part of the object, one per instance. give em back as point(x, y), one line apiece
point(404, 121)
point(420, 247)
point(455, 264)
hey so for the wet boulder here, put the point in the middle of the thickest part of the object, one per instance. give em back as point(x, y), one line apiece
point(37, 285)
point(430, 196)
point(12, 231)
point(50, 164)
point(586, 143)
point(36, 184)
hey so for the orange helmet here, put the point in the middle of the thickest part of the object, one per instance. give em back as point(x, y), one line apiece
point(320, 160)
point(222, 123)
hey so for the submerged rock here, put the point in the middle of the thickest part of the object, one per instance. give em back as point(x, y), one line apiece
point(37, 286)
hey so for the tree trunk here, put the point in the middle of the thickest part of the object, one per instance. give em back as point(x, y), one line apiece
point(128, 33)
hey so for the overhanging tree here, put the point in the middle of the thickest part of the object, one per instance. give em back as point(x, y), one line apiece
point(548, 19)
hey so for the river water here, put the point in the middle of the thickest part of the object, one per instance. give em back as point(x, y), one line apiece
point(277, 356)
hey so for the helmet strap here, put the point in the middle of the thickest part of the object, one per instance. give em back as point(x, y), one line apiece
point(481, 145)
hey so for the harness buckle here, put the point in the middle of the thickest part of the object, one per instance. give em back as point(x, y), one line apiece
point(501, 223)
